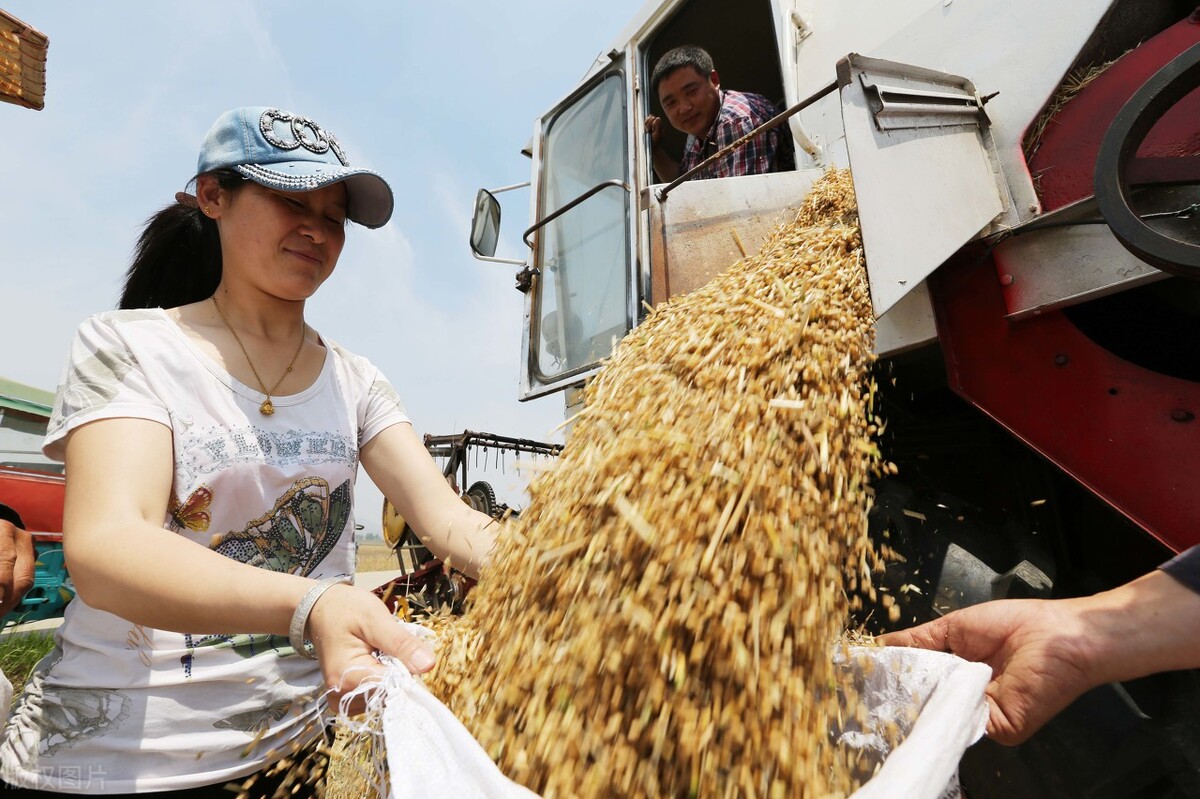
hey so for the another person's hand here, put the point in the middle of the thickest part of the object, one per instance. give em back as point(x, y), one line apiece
point(348, 626)
point(16, 565)
point(653, 126)
point(1045, 653)
point(1035, 648)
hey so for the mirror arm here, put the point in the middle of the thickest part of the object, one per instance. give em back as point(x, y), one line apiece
point(508, 188)
point(494, 260)
point(551, 217)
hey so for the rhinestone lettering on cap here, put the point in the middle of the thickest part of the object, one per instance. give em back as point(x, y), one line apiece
point(304, 133)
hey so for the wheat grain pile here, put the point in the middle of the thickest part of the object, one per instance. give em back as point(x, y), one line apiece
point(660, 622)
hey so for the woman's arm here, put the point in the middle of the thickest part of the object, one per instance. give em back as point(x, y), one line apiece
point(399, 464)
point(123, 561)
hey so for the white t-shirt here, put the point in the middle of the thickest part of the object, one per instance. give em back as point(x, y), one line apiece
point(117, 707)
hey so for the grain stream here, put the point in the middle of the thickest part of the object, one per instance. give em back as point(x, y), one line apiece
point(659, 621)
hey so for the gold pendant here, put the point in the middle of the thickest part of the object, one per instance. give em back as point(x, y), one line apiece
point(266, 409)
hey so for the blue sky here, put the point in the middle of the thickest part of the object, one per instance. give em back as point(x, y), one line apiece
point(437, 96)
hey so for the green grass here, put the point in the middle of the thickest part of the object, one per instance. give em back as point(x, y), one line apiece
point(19, 654)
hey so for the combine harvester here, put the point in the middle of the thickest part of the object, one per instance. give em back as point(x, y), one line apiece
point(1026, 175)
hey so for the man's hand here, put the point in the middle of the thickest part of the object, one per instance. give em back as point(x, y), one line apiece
point(16, 565)
point(1037, 651)
point(666, 167)
point(1045, 653)
point(653, 126)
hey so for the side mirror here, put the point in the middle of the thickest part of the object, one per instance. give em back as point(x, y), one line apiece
point(485, 224)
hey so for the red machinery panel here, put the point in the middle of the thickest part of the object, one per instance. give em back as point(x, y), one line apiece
point(1066, 158)
point(36, 496)
point(1129, 434)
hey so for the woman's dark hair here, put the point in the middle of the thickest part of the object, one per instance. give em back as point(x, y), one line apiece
point(178, 256)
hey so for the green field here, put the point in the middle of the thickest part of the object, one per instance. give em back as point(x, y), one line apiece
point(20, 653)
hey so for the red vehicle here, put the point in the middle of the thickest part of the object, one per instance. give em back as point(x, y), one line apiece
point(32, 488)
point(30, 484)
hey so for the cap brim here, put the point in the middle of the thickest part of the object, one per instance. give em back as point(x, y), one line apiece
point(369, 197)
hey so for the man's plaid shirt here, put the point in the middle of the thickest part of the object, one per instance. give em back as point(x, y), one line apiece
point(740, 113)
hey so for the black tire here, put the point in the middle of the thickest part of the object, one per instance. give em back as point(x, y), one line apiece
point(1117, 150)
point(482, 498)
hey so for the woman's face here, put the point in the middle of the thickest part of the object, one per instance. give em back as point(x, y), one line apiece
point(284, 243)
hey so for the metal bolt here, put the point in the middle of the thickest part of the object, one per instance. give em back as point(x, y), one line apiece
point(1006, 280)
point(1182, 415)
point(1062, 359)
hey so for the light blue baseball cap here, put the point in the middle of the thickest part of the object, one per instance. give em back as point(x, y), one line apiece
point(289, 152)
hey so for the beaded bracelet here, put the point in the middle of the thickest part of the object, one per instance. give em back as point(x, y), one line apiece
point(300, 617)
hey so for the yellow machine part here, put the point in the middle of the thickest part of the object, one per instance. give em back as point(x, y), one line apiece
point(393, 524)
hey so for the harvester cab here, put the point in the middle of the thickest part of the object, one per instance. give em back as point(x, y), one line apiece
point(1027, 192)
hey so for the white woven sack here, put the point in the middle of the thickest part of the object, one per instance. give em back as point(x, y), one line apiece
point(935, 700)
point(430, 752)
point(6, 695)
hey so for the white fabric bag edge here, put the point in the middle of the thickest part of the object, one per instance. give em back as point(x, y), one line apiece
point(953, 717)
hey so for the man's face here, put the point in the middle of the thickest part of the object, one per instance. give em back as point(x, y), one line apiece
point(690, 100)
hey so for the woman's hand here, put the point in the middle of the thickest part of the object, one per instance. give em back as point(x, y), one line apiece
point(348, 627)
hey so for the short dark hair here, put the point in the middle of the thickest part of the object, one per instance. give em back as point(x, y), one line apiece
point(688, 55)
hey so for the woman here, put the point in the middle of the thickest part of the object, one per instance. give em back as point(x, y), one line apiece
point(211, 449)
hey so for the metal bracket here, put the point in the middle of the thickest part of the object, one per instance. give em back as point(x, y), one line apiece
point(925, 166)
point(525, 279)
point(803, 29)
point(902, 108)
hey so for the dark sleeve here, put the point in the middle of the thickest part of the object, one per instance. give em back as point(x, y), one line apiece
point(1185, 567)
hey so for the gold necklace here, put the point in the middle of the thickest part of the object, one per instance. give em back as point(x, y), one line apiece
point(267, 408)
